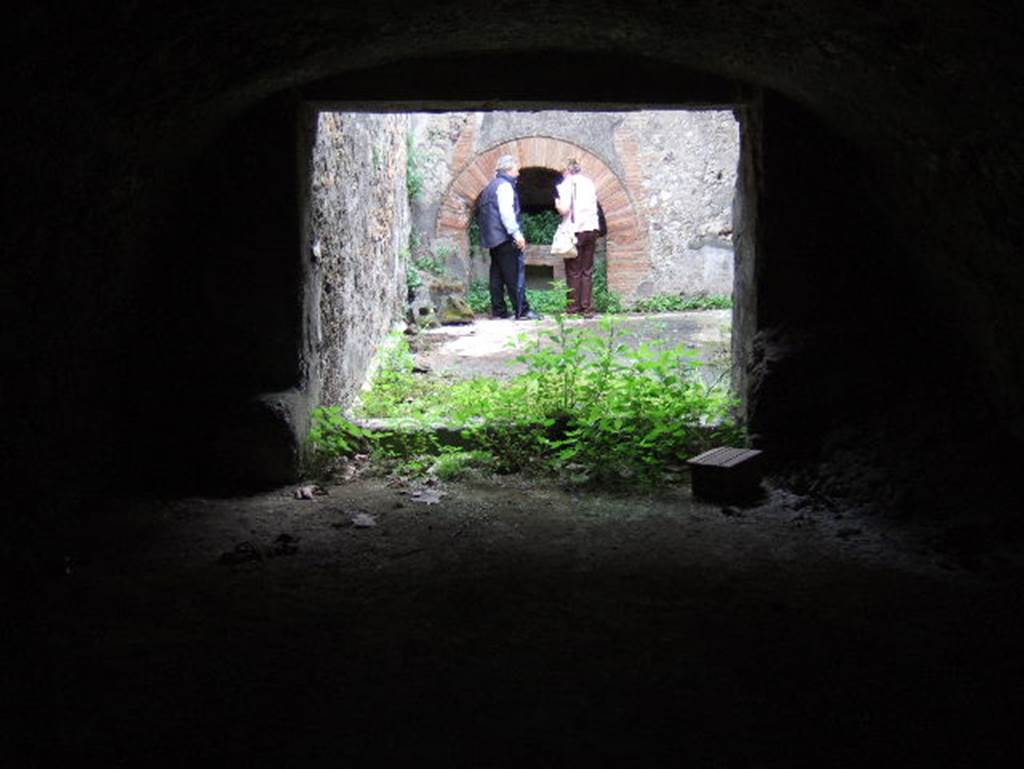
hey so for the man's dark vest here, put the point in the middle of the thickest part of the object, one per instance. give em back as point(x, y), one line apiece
point(492, 231)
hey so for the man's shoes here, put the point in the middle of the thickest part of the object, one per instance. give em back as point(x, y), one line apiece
point(499, 315)
point(528, 315)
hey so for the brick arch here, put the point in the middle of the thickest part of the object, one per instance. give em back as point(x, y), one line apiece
point(628, 259)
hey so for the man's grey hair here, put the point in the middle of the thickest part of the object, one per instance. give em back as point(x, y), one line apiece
point(505, 162)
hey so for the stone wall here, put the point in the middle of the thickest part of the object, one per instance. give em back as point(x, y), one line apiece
point(688, 162)
point(360, 227)
point(678, 169)
point(434, 140)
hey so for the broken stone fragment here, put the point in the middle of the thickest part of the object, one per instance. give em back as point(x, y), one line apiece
point(363, 521)
point(455, 311)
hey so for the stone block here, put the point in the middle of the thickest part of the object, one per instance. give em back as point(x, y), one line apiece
point(726, 474)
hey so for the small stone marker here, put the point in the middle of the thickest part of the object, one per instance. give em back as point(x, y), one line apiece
point(726, 474)
point(363, 521)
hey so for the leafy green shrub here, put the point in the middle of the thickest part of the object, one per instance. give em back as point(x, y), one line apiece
point(395, 390)
point(413, 279)
point(515, 444)
point(413, 168)
point(588, 407)
point(605, 300)
point(546, 302)
point(433, 264)
point(456, 463)
point(332, 437)
point(479, 297)
point(678, 303)
point(333, 434)
point(409, 453)
point(539, 228)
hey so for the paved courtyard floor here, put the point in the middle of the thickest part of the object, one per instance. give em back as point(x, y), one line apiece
point(488, 347)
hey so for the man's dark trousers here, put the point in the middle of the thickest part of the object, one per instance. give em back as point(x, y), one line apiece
point(524, 304)
point(506, 266)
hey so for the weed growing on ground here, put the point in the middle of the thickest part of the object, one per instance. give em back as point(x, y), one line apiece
point(414, 174)
point(453, 464)
point(397, 391)
point(588, 408)
point(547, 302)
point(678, 303)
point(553, 300)
point(331, 438)
point(605, 300)
point(434, 264)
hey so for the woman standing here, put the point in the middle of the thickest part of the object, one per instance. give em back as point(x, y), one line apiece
point(577, 201)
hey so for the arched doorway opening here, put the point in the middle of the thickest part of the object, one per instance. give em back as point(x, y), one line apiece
point(542, 157)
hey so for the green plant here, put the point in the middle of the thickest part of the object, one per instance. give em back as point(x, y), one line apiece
point(539, 228)
point(413, 168)
point(679, 302)
point(395, 390)
point(588, 407)
point(435, 264)
point(605, 300)
point(453, 463)
point(479, 297)
point(409, 453)
point(639, 412)
point(413, 279)
point(550, 301)
point(332, 436)
point(547, 302)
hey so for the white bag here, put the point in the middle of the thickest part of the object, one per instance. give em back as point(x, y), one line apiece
point(564, 241)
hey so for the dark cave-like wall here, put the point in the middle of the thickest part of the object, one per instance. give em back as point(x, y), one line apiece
point(144, 163)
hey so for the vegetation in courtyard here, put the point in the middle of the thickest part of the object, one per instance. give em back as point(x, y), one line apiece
point(413, 168)
point(553, 300)
point(588, 408)
point(434, 263)
point(679, 303)
point(605, 300)
point(538, 228)
point(332, 437)
point(545, 301)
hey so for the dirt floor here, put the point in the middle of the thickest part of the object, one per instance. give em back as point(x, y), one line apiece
point(508, 621)
point(501, 621)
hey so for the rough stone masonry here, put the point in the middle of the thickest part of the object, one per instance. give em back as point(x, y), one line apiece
point(678, 168)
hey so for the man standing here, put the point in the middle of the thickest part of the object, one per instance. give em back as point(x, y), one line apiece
point(500, 233)
point(577, 200)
